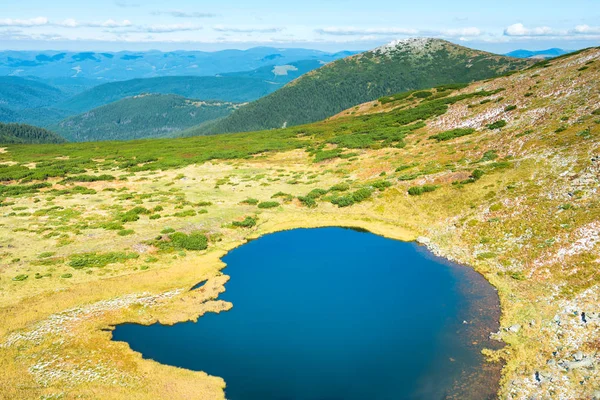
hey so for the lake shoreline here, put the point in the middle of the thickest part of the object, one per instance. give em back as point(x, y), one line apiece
point(490, 372)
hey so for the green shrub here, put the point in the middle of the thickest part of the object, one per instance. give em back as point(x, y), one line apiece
point(308, 201)
point(316, 193)
point(343, 201)
point(422, 94)
point(186, 213)
point(20, 278)
point(268, 204)
point(381, 185)
point(250, 201)
point(419, 190)
point(451, 134)
point(193, 241)
point(497, 125)
point(99, 260)
point(248, 222)
point(89, 178)
point(167, 231)
point(125, 232)
point(510, 108)
point(477, 174)
point(66, 276)
point(112, 226)
point(489, 156)
point(46, 254)
point(596, 112)
point(340, 187)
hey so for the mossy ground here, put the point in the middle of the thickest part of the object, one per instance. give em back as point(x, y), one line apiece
point(524, 222)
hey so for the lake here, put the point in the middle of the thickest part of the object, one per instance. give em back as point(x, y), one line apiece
point(338, 314)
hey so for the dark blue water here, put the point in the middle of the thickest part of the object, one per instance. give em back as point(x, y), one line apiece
point(336, 314)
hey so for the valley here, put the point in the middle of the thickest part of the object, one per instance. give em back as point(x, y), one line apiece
point(494, 166)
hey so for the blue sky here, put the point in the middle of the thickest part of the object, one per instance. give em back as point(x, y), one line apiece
point(324, 24)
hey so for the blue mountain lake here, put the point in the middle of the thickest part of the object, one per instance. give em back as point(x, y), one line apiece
point(338, 314)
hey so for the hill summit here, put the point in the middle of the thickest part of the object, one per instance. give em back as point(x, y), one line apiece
point(398, 66)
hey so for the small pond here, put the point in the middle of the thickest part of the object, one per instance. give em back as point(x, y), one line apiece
point(338, 314)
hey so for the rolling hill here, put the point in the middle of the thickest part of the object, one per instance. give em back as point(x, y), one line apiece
point(399, 66)
point(229, 89)
point(21, 93)
point(141, 116)
point(27, 134)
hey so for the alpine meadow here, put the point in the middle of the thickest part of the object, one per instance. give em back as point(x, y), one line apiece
point(346, 201)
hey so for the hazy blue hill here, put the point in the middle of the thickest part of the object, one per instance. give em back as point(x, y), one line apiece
point(280, 73)
point(44, 116)
point(110, 67)
point(19, 93)
point(397, 67)
point(142, 116)
point(27, 134)
point(549, 53)
point(232, 89)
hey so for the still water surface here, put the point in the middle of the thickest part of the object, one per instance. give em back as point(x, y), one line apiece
point(337, 314)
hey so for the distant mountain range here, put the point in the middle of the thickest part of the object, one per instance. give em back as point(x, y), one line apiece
point(46, 101)
point(549, 53)
point(110, 67)
point(399, 66)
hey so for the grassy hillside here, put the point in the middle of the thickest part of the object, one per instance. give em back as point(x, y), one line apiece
point(142, 116)
point(231, 89)
point(502, 175)
point(27, 134)
point(400, 66)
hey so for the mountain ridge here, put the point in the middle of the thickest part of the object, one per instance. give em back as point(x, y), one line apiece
point(401, 65)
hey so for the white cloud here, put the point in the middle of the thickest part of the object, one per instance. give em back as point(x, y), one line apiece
point(350, 31)
point(23, 23)
point(221, 28)
point(372, 33)
point(109, 23)
point(521, 30)
point(184, 14)
point(586, 30)
point(168, 28)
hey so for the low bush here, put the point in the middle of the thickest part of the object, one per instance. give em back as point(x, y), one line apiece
point(193, 241)
point(268, 204)
point(248, 222)
point(497, 125)
point(510, 108)
point(381, 185)
point(308, 201)
point(20, 278)
point(340, 187)
point(184, 214)
point(99, 260)
point(422, 94)
point(89, 178)
point(452, 134)
point(419, 190)
point(250, 201)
